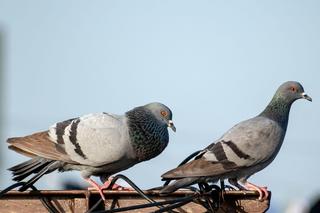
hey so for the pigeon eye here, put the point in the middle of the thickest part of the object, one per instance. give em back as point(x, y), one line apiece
point(293, 89)
point(164, 113)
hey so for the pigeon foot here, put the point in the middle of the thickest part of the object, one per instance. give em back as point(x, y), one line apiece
point(115, 186)
point(263, 192)
point(96, 187)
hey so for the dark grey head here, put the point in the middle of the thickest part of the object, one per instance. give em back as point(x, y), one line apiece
point(291, 91)
point(279, 107)
point(162, 113)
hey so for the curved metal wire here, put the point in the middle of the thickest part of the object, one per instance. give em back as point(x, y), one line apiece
point(13, 186)
point(171, 204)
point(148, 205)
point(183, 201)
point(91, 210)
point(208, 195)
point(44, 200)
point(133, 185)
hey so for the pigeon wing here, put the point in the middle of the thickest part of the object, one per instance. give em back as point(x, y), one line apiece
point(39, 144)
point(200, 168)
point(251, 142)
point(247, 144)
point(95, 139)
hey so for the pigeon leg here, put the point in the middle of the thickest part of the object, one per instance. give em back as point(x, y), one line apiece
point(97, 187)
point(234, 182)
point(263, 192)
point(115, 186)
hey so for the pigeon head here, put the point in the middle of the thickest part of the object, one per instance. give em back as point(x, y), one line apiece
point(279, 107)
point(162, 113)
point(291, 91)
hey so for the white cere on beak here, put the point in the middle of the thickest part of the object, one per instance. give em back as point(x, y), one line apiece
point(171, 125)
point(305, 96)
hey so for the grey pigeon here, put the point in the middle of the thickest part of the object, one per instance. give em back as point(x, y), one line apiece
point(98, 144)
point(245, 149)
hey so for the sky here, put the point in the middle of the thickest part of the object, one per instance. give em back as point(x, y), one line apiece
point(214, 63)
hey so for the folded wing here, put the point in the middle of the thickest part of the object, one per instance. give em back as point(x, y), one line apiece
point(39, 144)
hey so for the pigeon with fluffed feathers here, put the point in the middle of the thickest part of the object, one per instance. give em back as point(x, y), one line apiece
point(245, 149)
point(98, 144)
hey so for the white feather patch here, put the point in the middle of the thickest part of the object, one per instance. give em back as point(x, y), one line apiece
point(52, 133)
point(209, 156)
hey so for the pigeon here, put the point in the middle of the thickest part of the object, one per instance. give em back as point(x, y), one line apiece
point(98, 144)
point(245, 149)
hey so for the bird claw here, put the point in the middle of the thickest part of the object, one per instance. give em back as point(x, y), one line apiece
point(263, 192)
point(106, 185)
point(115, 186)
point(96, 187)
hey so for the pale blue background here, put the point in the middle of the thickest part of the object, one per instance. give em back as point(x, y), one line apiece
point(214, 63)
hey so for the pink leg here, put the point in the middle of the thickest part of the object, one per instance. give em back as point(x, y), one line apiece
point(263, 192)
point(97, 187)
point(115, 186)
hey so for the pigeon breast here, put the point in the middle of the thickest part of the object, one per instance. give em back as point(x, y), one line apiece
point(149, 137)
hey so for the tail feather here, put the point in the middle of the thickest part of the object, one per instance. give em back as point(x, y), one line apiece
point(38, 165)
point(23, 165)
point(51, 166)
point(184, 182)
point(33, 167)
point(46, 154)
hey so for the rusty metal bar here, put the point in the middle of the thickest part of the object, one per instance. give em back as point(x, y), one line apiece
point(82, 200)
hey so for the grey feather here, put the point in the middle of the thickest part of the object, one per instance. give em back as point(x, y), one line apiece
point(178, 184)
point(246, 148)
point(98, 144)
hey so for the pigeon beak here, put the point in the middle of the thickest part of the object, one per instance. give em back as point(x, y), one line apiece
point(171, 125)
point(307, 97)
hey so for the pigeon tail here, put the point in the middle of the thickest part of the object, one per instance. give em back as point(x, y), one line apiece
point(38, 165)
point(176, 185)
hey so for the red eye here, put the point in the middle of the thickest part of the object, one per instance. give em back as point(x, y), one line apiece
point(164, 113)
point(293, 89)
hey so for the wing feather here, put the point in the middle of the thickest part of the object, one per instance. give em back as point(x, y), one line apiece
point(96, 139)
point(201, 168)
point(39, 144)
